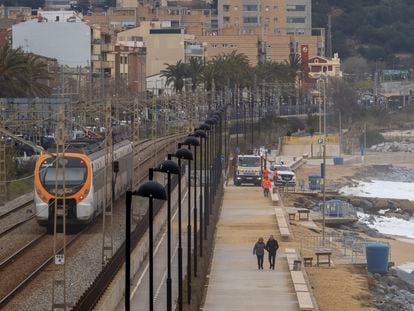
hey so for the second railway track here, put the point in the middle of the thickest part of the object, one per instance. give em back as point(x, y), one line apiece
point(22, 264)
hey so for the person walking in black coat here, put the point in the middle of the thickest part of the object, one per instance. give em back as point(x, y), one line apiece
point(271, 247)
point(259, 250)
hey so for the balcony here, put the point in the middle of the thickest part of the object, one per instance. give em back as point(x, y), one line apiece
point(107, 48)
point(103, 64)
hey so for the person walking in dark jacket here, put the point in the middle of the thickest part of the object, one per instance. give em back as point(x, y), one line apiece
point(259, 250)
point(271, 247)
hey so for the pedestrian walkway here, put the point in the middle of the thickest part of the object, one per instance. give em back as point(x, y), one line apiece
point(235, 282)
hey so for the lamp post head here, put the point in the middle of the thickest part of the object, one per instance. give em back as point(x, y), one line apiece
point(184, 153)
point(168, 166)
point(191, 141)
point(204, 127)
point(200, 133)
point(152, 189)
point(211, 121)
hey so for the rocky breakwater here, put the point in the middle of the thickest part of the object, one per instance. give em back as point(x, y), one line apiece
point(393, 291)
point(393, 147)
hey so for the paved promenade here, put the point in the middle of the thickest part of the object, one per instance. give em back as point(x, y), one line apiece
point(235, 282)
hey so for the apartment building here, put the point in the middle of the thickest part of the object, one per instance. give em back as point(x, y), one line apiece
point(269, 15)
point(20, 13)
point(299, 17)
point(130, 65)
point(117, 18)
point(58, 4)
point(164, 43)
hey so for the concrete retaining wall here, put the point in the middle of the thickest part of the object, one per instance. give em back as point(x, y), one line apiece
point(114, 295)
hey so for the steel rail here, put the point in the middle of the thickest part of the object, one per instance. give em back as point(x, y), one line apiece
point(91, 296)
point(4, 300)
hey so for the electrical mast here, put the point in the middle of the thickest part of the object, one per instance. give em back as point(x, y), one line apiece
point(107, 224)
point(59, 273)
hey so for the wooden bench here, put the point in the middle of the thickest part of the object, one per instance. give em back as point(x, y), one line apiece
point(305, 301)
point(307, 261)
point(323, 252)
point(303, 211)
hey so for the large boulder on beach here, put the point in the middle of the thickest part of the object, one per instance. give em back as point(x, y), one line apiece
point(365, 204)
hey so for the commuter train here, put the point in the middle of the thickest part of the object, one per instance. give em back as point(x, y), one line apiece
point(84, 182)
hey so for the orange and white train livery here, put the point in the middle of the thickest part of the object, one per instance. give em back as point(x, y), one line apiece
point(83, 179)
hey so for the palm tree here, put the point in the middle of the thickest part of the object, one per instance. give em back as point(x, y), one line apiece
point(22, 75)
point(175, 74)
point(36, 74)
point(195, 69)
point(227, 70)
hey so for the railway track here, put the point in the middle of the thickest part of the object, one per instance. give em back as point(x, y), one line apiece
point(16, 225)
point(20, 267)
point(92, 295)
point(15, 209)
point(27, 264)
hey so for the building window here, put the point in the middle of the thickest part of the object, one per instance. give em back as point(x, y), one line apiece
point(296, 8)
point(276, 30)
point(250, 7)
point(226, 7)
point(275, 19)
point(250, 20)
point(213, 45)
point(226, 19)
point(275, 7)
point(296, 20)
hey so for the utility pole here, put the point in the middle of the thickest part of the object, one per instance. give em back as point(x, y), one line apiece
point(340, 133)
point(3, 168)
point(107, 221)
point(59, 273)
point(324, 192)
point(365, 142)
point(329, 37)
point(135, 135)
point(320, 113)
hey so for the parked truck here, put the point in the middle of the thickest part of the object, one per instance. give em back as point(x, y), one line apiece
point(248, 170)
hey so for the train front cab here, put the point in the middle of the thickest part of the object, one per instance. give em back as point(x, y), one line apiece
point(79, 201)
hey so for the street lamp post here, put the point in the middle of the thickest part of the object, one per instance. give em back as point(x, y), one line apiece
point(189, 141)
point(201, 134)
point(151, 190)
point(185, 154)
point(205, 127)
point(168, 167)
point(211, 122)
point(195, 211)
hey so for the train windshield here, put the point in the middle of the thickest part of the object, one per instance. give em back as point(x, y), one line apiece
point(73, 176)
